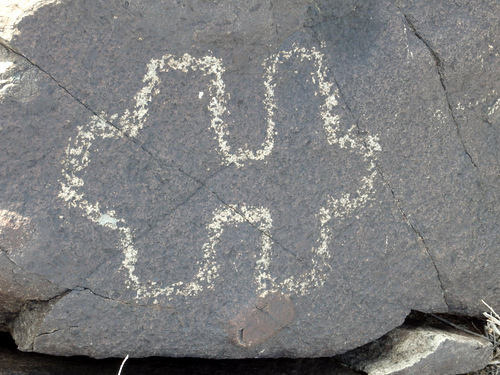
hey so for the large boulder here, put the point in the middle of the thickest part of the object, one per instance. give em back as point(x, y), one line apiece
point(244, 179)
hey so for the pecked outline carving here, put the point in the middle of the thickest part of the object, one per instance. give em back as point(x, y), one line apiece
point(81, 149)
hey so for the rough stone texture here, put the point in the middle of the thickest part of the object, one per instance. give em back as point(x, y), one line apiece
point(469, 76)
point(422, 350)
point(302, 172)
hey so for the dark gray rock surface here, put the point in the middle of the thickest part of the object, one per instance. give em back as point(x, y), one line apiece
point(463, 39)
point(245, 179)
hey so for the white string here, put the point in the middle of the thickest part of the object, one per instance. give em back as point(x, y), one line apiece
point(121, 367)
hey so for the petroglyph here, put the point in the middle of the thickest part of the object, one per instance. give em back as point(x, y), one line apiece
point(82, 149)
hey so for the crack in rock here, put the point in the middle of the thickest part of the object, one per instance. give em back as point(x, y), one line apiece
point(49, 300)
point(32, 314)
point(203, 183)
point(143, 148)
point(439, 69)
point(46, 333)
point(28, 323)
point(420, 238)
point(9, 47)
point(134, 304)
point(39, 276)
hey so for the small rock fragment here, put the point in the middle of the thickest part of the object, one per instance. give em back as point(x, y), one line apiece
point(421, 350)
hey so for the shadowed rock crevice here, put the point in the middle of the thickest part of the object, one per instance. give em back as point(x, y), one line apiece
point(424, 344)
point(46, 333)
point(14, 361)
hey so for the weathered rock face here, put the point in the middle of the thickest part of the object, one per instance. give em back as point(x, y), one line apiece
point(245, 179)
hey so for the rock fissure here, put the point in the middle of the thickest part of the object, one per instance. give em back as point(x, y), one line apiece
point(46, 333)
point(184, 201)
point(142, 147)
point(48, 300)
point(17, 52)
point(275, 23)
point(203, 184)
point(268, 314)
point(9, 47)
point(94, 113)
point(420, 237)
point(439, 70)
point(159, 218)
point(233, 208)
point(41, 277)
point(398, 203)
point(4, 251)
point(241, 341)
point(154, 307)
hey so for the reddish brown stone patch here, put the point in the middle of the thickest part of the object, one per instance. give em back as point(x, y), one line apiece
point(265, 318)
